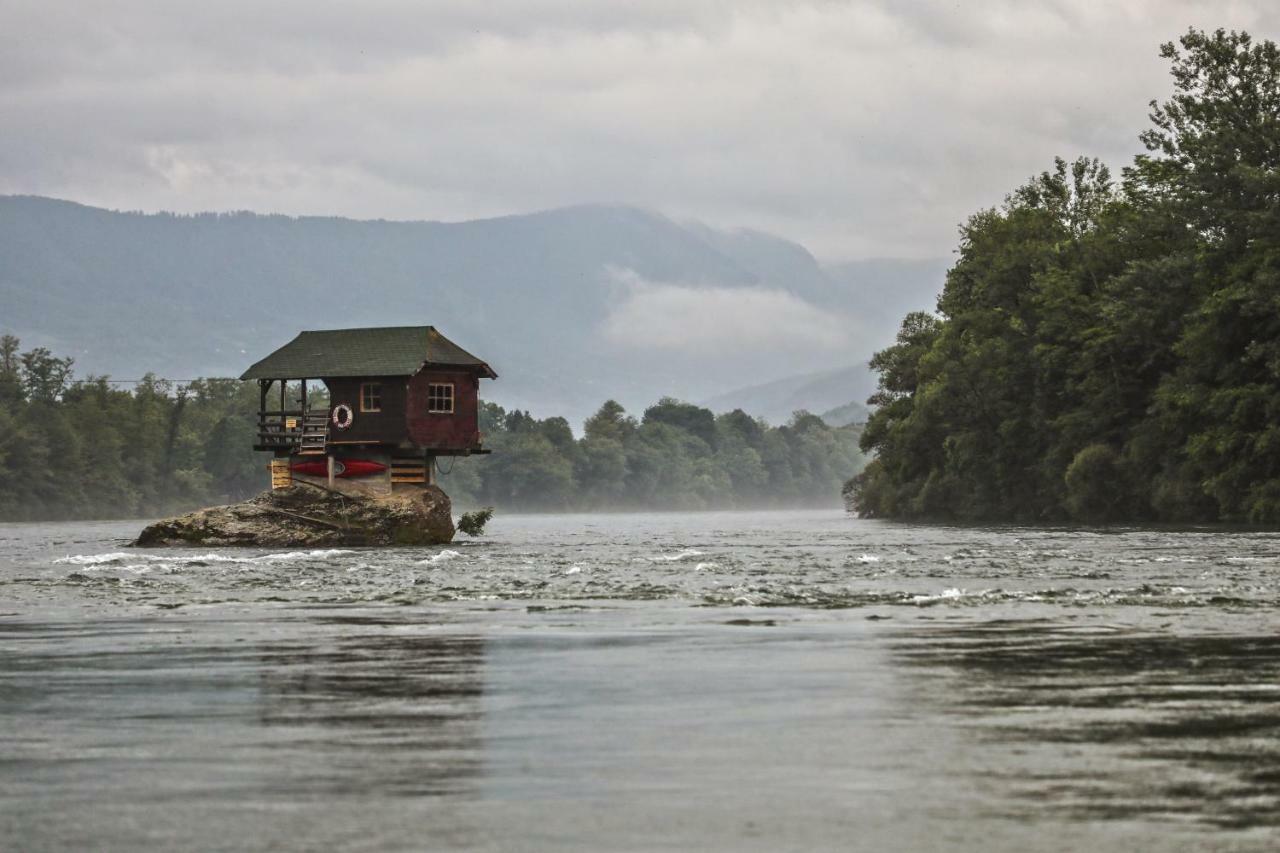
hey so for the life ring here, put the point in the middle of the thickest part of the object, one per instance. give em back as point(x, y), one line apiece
point(343, 416)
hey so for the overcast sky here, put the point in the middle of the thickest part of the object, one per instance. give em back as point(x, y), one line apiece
point(861, 129)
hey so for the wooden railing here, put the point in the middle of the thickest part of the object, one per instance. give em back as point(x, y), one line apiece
point(281, 430)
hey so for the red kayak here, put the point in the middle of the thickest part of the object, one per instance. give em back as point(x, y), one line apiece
point(341, 468)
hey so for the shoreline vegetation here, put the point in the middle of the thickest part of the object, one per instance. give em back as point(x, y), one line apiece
point(1103, 351)
point(97, 450)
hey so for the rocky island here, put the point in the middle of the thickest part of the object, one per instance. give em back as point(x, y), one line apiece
point(303, 515)
point(356, 465)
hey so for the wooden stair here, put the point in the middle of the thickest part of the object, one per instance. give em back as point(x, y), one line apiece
point(315, 434)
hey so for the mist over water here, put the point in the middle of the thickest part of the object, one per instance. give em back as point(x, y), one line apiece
point(730, 681)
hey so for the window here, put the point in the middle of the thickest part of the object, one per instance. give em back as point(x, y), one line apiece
point(371, 397)
point(440, 398)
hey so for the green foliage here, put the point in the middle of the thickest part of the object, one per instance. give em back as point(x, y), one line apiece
point(692, 419)
point(1090, 479)
point(472, 523)
point(680, 456)
point(90, 449)
point(1107, 353)
point(10, 371)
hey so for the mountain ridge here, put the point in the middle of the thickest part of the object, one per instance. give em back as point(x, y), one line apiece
point(565, 303)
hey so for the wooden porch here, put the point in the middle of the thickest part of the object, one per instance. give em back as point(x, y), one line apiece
point(293, 431)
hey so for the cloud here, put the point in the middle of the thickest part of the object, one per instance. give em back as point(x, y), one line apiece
point(759, 324)
point(864, 128)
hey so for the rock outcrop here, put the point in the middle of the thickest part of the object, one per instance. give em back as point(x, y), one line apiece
point(306, 516)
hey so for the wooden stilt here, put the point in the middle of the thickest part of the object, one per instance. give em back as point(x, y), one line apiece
point(330, 458)
point(281, 476)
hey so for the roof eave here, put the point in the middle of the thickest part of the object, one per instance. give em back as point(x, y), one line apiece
point(485, 371)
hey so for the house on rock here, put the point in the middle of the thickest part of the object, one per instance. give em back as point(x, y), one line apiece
point(398, 398)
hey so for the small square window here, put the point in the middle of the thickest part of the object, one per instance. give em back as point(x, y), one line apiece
point(440, 398)
point(371, 397)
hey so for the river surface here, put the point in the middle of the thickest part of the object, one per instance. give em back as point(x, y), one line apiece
point(735, 681)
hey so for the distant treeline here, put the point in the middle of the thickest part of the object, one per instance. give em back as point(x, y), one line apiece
point(676, 456)
point(92, 449)
point(1107, 352)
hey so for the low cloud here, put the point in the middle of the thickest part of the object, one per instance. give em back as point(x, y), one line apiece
point(719, 322)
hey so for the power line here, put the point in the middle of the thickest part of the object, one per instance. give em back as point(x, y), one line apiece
point(95, 380)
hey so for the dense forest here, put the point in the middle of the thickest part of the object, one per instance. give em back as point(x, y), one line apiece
point(676, 456)
point(1107, 351)
point(97, 449)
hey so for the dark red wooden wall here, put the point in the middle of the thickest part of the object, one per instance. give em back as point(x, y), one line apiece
point(404, 417)
point(458, 431)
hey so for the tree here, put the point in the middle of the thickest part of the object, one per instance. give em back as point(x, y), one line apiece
point(685, 416)
point(1214, 166)
point(11, 387)
point(601, 469)
point(1107, 353)
point(610, 422)
point(1213, 150)
point(43, 376)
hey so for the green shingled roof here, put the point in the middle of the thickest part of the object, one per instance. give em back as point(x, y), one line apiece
point(387, 351)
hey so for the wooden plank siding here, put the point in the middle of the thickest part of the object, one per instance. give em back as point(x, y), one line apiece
point(404, 419)
point(445, 433)
point(383, 427)
point(409, 471)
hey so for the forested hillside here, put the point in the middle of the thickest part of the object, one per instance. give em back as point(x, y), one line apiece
point(91, 449)
point(563, 303)
point(1107, 350)
point(836, 394)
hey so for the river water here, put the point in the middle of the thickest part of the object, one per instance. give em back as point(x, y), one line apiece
point(735, 681)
